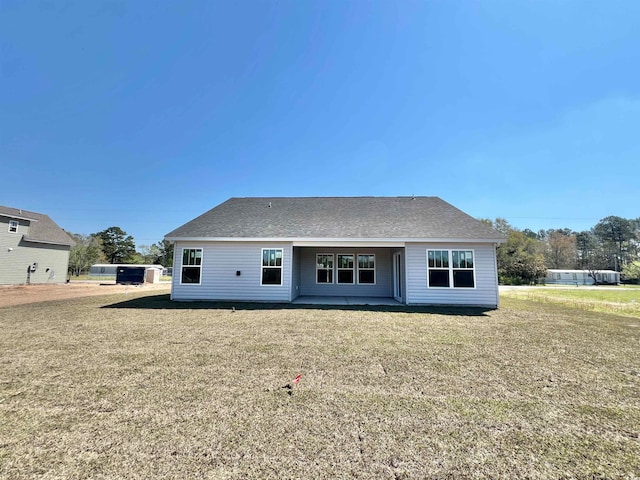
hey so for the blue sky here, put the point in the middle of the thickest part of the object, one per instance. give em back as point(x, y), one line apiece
point(146, 114)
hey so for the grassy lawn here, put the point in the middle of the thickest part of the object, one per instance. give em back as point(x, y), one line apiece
point(622, 301)
point(97, 388)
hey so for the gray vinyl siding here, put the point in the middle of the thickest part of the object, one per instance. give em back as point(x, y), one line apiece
point(485, 292)
point(218, 279)
point(14, 263)
point(383, 273)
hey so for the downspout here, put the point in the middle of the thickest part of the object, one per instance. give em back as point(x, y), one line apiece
point(173, 269)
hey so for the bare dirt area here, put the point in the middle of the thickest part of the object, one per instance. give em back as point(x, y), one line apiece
point(22, 294)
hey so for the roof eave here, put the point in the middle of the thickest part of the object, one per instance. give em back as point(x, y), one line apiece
point(48, 242)
point(18, 217)
point(305, 241)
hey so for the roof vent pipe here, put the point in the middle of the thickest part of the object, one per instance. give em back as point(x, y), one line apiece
point(269, 204)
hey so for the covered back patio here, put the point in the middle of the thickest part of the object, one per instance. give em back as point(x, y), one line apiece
point(338, 274)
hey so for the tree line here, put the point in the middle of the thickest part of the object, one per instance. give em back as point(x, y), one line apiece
point(612, 244)
point(113, 245)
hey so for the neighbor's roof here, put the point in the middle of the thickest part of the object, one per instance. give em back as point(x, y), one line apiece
point(336, 218)
point(41, 228)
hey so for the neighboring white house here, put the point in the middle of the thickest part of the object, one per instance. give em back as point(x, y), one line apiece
point(581, 277)
point(418, 250)
point(33, 249)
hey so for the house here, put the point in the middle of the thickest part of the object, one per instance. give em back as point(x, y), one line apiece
point(581, 277)
point(33, 249)
point(416, 250)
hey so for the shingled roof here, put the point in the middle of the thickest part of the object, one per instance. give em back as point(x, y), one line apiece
point(41, 228)
point(425, 218)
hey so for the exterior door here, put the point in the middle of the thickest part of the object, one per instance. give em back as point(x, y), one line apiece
point(397, 276)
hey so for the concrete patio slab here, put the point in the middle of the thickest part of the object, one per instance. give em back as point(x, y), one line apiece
point(309, 300)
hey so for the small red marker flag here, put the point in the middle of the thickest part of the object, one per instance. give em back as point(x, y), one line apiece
point(297, 379)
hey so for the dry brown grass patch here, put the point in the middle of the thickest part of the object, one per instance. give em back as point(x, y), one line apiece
point(159, 389)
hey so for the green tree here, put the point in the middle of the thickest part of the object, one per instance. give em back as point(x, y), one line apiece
point(86, 252)
point(531, 234)
point(160, 253)
point(590, 254)
point(149, 254)
point(118, 247)
point(520, 259)
point(136, 258)
point(631, 272)
point(587, 250)
point(166, 253)
point(560, 251)
point(615, 235)
point(502, 226)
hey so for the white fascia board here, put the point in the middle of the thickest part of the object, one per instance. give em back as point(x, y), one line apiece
point(313, 242)
point(351, 242)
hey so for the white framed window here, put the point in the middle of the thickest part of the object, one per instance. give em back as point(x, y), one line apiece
point(366, 269)
point(463, 269)
point(271, 266)
point(450, 269)
point(191, 266)
point(324, 268)
point(13, 226)
point(346, 267)
point(438, 268)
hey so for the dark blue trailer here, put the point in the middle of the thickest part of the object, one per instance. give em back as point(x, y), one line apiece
point(130, 275)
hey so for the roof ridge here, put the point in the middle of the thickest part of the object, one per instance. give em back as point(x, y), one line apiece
point(340, 197)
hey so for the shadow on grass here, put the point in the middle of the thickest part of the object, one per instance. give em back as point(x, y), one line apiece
point(163, 302)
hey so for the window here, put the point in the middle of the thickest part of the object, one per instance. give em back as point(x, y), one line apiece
point(345, 268)
point(271, 266)
point(444, 270)
point(438, 267)
point(366, 269)
point(574, 276)
point(324, 268)
point(191, 265)
point(462, 261)
point(13, 226)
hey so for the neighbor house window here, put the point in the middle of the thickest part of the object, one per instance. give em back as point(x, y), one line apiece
point(345, 268)
point(13, 226)
point(450, 268)
point(191, 265)
point(366, 269)
point(324, 268)
point(271, 266)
